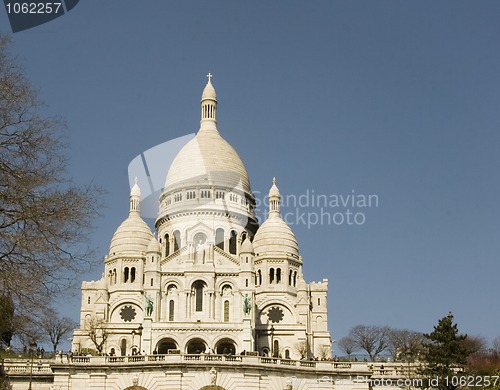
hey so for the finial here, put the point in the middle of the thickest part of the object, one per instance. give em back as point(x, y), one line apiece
point(136, 180)
point(209, 75)
point(274, 180)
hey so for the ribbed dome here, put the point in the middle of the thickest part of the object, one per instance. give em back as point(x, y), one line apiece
point(132, 236)
point(207, 159)
point(275, 237)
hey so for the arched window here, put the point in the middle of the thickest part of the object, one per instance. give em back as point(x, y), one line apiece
point(152, 282)
point(278, 275)
point(167, 244)
point(290, 278)
point(319, 301)
point(88, 300)
point(259, 275)
point(110, 277)
point(226, 311)
point(114, 275)
point(219, 238)
point(123, 347)
point(276, 348)
point(125, 275)
point(171, 310)
point(198, 295)
point(132, 275)
point(271, 276)
point(295, 279)
point(287, 354)
point(232, 242)
point(177, 240)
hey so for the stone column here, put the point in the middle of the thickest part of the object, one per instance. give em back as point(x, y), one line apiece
point(248, 341)
point(188, 305)
point(147, 336)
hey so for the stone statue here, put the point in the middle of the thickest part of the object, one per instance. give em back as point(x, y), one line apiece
point(199, 254)
point(247, 304)
point(213, 376)
point(149, 305)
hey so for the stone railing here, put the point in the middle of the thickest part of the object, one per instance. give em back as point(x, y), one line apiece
point(17, 368)
point(394, 370)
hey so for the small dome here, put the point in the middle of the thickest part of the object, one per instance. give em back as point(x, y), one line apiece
point(154, 245)
point(209, 92)
point(132, 236)
point(275, 237)
point(135, 191)
point(247, 246)
point(274, 191)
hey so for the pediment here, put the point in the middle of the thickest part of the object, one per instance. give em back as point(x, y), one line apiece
point(200, 227)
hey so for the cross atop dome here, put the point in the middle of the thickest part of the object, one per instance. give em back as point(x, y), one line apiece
point(208, 105)
point(274, 199)
point(135, 197)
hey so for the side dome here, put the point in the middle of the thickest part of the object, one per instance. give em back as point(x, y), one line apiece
point(274, 236)
point(133, 235)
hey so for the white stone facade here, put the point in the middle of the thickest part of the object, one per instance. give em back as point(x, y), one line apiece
point(216, 281)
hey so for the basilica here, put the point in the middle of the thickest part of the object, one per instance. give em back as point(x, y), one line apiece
point(209, 279)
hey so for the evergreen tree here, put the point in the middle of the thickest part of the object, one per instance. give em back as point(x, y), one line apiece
point(444, 355)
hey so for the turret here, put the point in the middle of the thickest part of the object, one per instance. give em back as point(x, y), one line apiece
point(247, 266)
point(152, 275)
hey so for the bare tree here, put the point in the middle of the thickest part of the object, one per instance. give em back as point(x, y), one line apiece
point(405, 344)
point(56, 327)
point(44, 218)
point(97, 332)
point(324, 352)
point(301, 348)
point(348, 345)
point(475, 344)
point(28, 331)
point(373, 339)
point(496, 345)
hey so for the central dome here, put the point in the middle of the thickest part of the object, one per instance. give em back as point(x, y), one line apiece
point(207, 159)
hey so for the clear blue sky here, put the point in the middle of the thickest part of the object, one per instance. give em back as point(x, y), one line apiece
point(394, 98)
